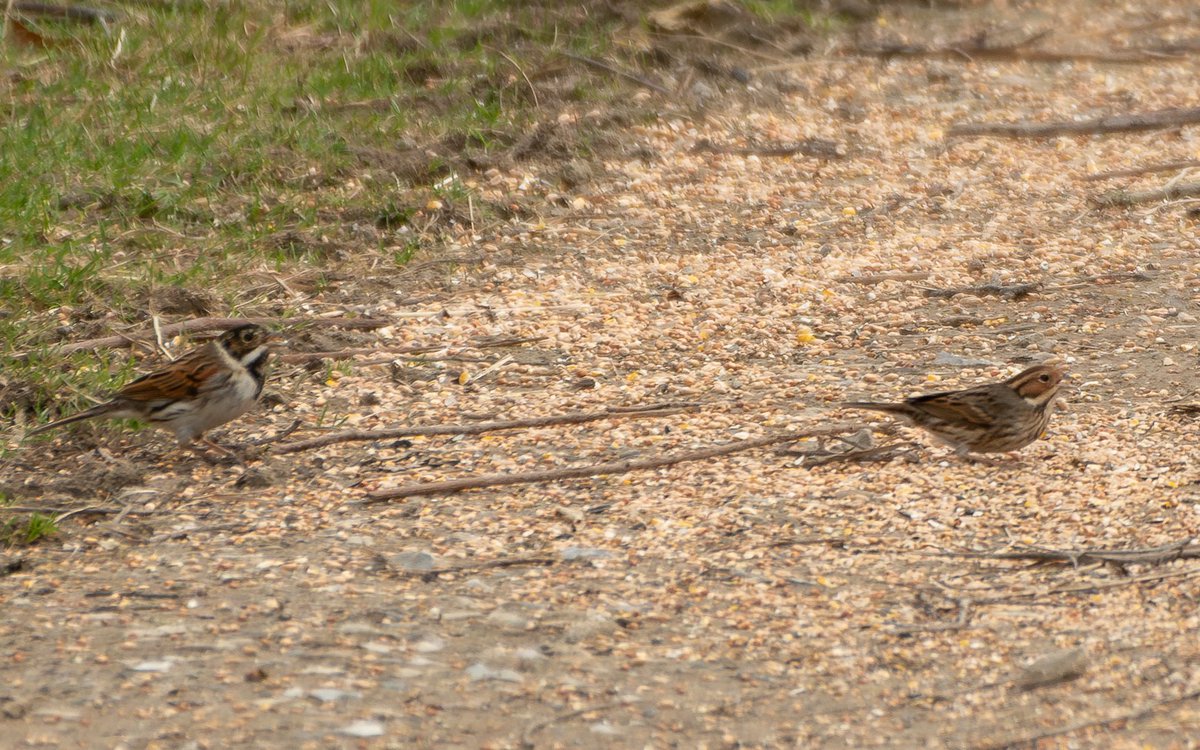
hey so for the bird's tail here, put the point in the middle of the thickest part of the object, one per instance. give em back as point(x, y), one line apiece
point(95, 411)
point(887, 408)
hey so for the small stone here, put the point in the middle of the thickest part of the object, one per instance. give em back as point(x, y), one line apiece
point(362, 728)
point(954, 360)
point(430, 644)
point(417, 562)
point(1057, 666)
point(571, 554)
point(151, 666)
point(329, 695)
point(480, 671)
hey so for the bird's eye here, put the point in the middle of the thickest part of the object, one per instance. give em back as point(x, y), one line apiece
point(1045, 378)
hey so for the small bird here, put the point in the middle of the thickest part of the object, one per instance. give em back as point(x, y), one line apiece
point(990, 418)
point(206, 387)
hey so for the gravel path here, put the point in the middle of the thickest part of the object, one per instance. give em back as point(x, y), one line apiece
point(746, 601)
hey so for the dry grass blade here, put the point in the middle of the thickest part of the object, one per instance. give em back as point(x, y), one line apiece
point(595, 470)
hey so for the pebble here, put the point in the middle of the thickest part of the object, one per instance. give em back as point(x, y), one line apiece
point(362, 728)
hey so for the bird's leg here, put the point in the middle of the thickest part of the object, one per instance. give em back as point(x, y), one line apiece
point(965, 454)
point(224, 452)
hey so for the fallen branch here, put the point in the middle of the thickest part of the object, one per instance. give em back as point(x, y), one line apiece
point(203, 324)
point(815, 147)
point(506, 562)
point(880, 278)
point(979, 47)
point(603, 66)
point(1136, 171)
point(866, 455)
point(611, 467)
point(1132, 123)
point(295, 425)
point(1133, 197)
point(612, 412)
point(537, 726)
point(1112, 276)
point(1004, 291)
point(1183, 550)
point(1031, 739)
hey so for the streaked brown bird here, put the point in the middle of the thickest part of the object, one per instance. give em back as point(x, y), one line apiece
point(990, 418)
point(205, 388)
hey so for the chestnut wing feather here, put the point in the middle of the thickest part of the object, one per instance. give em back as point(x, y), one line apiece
point(953, 407)
point(184, 379)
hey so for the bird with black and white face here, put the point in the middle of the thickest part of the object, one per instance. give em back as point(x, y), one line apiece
point(207, 387)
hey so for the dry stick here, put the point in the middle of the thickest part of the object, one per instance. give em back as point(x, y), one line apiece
point(1140, 121)
point(880, 278)
point(1133, 197)
point(201, 324)
point(1136, 171)
point(1005, 291)
point(600, 65)
point(295, 425)
point(537, 726)
point(1031, 739)
point(978, 48)
point(349, 436)
point(1183, 550)
point(504, 562)
point(815, 147)
point(1121, 583)
point(611, 467)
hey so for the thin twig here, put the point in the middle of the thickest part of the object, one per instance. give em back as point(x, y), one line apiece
point(1133, 197)
point(202, 324)
point(537, 726)
point(815, 147)
point(490, 369)
point(1004, 291)
point(349, 436)
point(295, 425)
point(529, 83)
point(600, 65)
point(880, 278)
point(960, 622)
point(505, 562)
point(1031, 739)
point(1136, 171)
point(875, 453)
point(593, 470)
point(1183, 550)
point(1131, 123)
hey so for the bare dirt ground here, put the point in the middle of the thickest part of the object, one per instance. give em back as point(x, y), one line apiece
point(746, 601)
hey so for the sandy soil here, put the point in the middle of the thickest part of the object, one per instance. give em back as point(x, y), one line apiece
point(747, 601)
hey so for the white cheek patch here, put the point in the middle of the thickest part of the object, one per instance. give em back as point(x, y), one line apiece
point(253, 356)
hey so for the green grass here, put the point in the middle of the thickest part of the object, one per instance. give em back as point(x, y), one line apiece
point(27, 530)
point(210, 145)
point(197, 146)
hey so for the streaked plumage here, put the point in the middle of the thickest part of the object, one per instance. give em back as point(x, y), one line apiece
point(990, 418)
point(205, 388)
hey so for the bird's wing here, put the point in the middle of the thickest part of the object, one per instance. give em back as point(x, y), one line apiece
point(955, 406)
point(183, 378)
